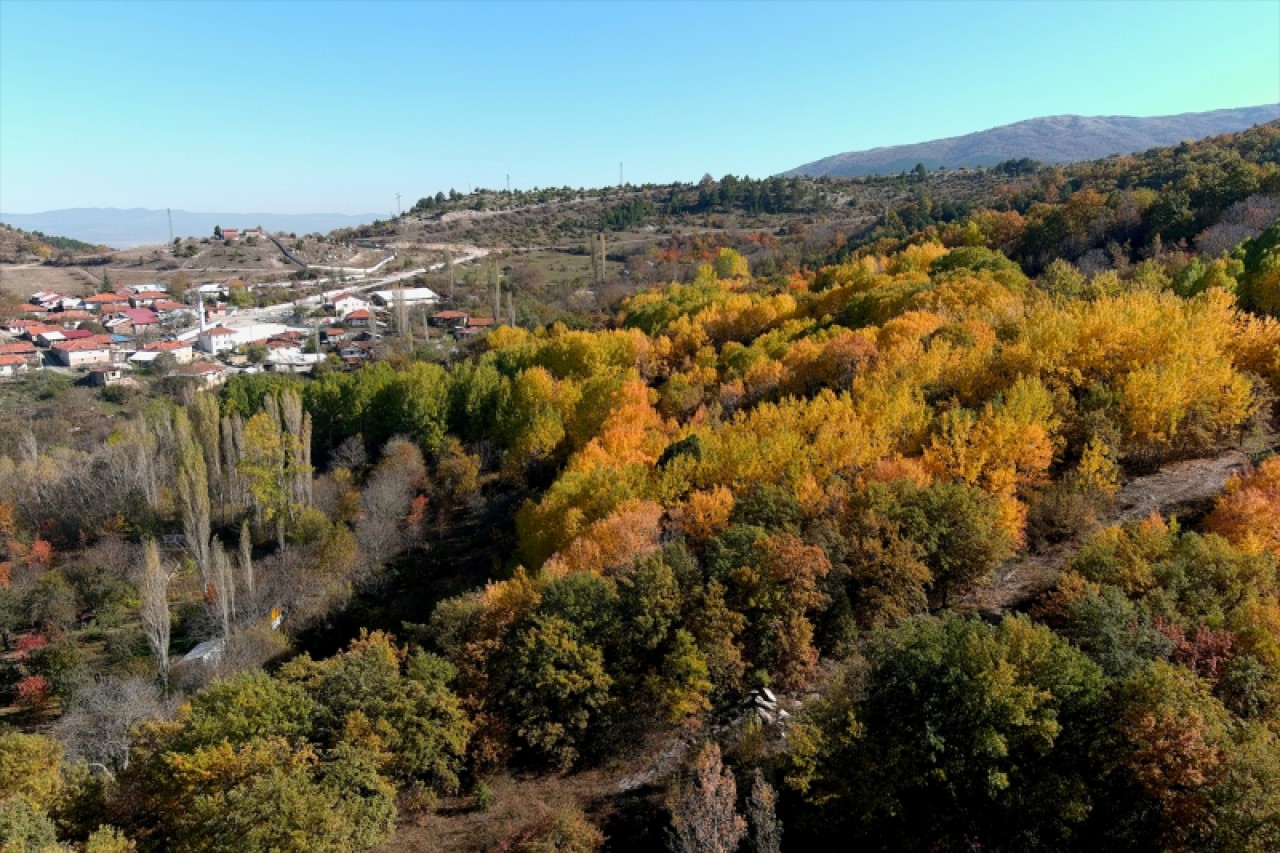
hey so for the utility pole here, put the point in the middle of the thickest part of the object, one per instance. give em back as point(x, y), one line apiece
point(620, 181)
point(169, 213)
point(508, 185)
point(398, 212)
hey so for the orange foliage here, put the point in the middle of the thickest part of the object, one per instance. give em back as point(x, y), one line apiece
point(613, 543)
point(1248, 512)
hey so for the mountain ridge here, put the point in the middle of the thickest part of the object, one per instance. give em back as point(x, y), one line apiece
point(1050, 139)
point(135, 226)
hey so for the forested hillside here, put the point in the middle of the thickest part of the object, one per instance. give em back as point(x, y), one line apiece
point(714, 558)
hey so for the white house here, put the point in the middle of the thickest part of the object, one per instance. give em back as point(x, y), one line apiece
point(412, 296)
point(12, 365)
point(84, 353)
point(216, 339)
point(180, 350)
point(348, 302)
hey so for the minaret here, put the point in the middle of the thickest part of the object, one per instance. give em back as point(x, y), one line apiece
point(200, 308)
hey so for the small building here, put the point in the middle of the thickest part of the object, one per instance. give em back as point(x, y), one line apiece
point(47, 336)
point(356, 353)
point(19, 327)
point(333, 335)
point(12, 366)
point(102, 376)
point(361, 319)
point(141, 319)
point(76, 334)
point(347, 303)
point(216, 339)
point(230, 234)
point(98, 300)
point(412, 296)
point(168, 306)
point(26, 349)
point(181, 351)
point(204, 373)
point(85, 353)
point(450, 319)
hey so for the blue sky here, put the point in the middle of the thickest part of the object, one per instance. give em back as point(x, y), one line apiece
point(304, 107)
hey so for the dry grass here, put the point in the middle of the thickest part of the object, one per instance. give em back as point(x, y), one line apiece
point(26, 280)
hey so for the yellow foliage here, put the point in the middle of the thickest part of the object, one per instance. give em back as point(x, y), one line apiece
point(705, 513)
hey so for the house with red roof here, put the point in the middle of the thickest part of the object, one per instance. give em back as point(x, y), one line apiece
point(216, 339)
point(19, 327)
point(205, 373)
point(84, 353)
point(359, 319)
point(12, 366)
point(26, 349)
point(140, 320)
point(450, 319)
point(182, 351)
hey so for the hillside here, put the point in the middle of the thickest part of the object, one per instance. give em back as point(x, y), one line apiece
point(1053, 139)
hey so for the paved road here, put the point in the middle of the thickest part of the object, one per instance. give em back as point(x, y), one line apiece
point(275, 313)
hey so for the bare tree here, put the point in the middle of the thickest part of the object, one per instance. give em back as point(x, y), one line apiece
point(704, 817)
point(193, 494)
point(246, 562)
point(154, 592)
point(386, 501)
point(762, 805)
point(224, 588)
point(99, 729)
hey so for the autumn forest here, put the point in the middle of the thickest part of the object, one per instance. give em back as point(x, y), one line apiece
point(817, 546)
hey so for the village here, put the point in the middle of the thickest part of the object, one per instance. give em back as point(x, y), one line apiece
point(212, 331)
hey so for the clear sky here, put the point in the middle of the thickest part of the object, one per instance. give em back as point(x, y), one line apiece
point(306, 107)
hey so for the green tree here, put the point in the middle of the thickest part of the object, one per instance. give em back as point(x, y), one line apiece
point(556, 690)
point(961, 735)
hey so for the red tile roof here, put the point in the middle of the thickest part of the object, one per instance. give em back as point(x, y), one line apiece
point(141, 316)
point(200, 368)
point(167, 346)
point(20, 348)
point(77, 334)
point(359, 314)
point(82, 345)
point(217, 332)
point(11, 360)
point(449, 315)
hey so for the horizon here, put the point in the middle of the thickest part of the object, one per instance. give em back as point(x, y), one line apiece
point(164, 121)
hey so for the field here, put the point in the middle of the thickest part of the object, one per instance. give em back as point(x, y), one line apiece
point(25, 280)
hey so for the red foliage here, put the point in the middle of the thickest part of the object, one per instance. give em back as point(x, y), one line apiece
point(33, 691)
point(32, 641)
point(417, 511)
point(40, 553)
point(1205, 653)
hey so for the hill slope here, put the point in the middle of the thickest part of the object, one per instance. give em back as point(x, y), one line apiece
point(1054, 139)
point(137, 226)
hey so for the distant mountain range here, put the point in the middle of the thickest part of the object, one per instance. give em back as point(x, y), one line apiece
point(1055, 139)
point(120, 229)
